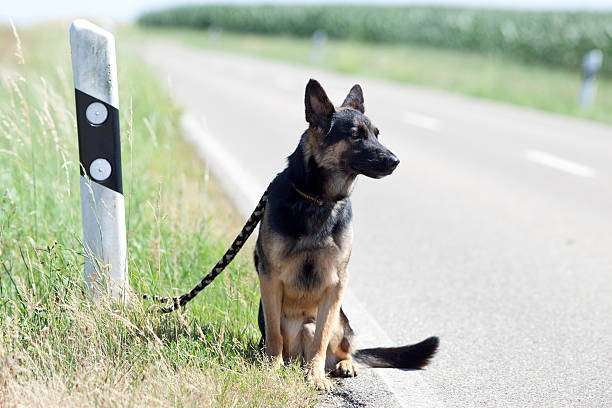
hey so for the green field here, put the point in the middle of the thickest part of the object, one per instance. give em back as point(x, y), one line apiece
point(493, 77)
point(58, 348)
point(554, 38)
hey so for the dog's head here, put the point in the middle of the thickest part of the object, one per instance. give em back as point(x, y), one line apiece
point(344, 139)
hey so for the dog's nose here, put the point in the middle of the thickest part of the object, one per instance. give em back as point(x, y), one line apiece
point(392, 162)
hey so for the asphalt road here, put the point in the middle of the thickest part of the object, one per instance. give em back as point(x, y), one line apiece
point(494, 233)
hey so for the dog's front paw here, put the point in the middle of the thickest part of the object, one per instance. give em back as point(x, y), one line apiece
point(276, 362)
point(345, 368)
point(322, 383)
point(316, 377)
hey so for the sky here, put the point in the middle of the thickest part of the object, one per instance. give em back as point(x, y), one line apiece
point(32, 11)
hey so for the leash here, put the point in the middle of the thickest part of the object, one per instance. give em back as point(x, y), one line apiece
point(229, 255)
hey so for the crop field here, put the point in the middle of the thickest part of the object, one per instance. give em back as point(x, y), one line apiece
point(484, 76)
point(59, 348)
point(558, 39)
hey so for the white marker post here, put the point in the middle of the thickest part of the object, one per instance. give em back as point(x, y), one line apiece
point(591, 64)
point(102, 202)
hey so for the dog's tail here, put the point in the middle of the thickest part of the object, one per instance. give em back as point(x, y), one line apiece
point(412, 356)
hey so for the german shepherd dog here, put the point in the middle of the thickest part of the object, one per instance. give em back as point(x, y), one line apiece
point(305, 241)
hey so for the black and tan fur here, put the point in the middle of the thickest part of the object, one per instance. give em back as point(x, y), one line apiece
point(305, 242)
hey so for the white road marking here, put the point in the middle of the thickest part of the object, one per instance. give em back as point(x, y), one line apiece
point(559, 163)
point(237, 180)
point(422, 121)
point(409, 387)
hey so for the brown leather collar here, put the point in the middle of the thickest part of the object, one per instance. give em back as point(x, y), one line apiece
point(316, 200)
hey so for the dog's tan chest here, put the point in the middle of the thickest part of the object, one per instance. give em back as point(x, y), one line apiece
point(306, 269)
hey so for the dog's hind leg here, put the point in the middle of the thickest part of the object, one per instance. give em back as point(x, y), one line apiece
point(341, 348)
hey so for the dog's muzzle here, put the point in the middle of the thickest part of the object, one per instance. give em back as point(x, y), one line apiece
point(391, 162)
point(378, 167)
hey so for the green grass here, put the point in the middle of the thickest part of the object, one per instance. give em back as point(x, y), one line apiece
point(58, 348)
point(486, 76)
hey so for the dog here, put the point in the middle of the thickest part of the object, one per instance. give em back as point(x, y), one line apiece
point(305, 240)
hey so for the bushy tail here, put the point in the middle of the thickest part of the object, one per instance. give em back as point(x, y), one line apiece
point(412, 356)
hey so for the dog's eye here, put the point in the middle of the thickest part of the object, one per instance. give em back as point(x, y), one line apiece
point(376, 132)
point(362, 132)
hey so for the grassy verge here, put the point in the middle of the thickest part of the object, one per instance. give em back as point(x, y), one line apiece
point(471, 73)
point(57, 348)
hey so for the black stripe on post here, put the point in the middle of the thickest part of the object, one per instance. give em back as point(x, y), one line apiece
point(99, 141)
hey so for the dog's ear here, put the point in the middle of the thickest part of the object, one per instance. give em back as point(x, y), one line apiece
point(354, 99)
point(319, 109)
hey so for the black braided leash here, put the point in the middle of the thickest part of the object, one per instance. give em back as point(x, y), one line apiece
point(230, 254)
